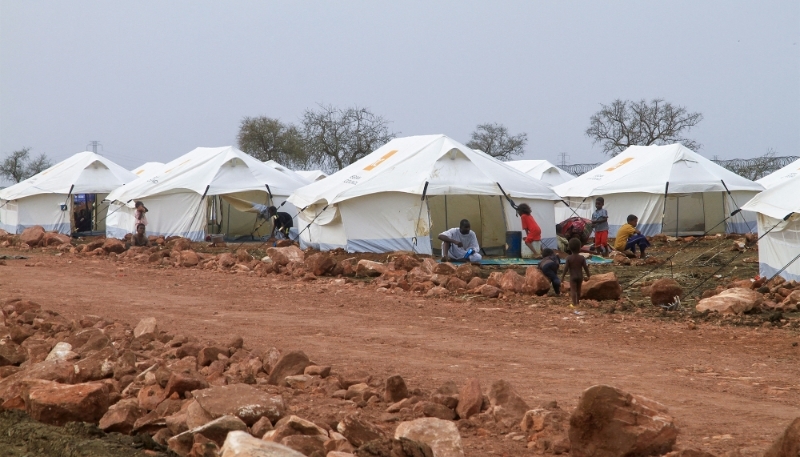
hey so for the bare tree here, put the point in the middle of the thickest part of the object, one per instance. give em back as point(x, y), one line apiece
point(494, 140)
point(630, 123)
point(19, 166)
point(266, 139)
point(336, 137)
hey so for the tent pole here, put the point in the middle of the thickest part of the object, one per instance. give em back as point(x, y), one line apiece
point(419, 215)
point(664, 211)
point(202, 199)
point(736, 204)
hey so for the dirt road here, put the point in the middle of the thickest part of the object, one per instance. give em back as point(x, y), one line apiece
point(729, 388)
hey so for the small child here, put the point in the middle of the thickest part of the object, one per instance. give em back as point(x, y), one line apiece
point(600, 223)
point(549, 267)
point(628, 238)
point(575, 262)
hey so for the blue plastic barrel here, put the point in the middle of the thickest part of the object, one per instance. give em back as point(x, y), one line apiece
point(514, 244)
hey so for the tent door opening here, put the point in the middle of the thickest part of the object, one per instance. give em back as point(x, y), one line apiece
point(484, 212)
point(692, 214)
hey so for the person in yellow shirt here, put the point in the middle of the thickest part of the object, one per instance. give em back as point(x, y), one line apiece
point(628, 238)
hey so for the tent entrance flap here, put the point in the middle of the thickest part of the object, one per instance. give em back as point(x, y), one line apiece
point(692, 214)
point(484, 212)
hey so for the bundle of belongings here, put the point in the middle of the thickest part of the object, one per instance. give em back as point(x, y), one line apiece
point(574, 227)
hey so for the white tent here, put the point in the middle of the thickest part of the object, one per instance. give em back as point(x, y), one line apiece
point(542, 170)
point(312, 175)
point(671, 189)
point(48, 198)
point(402, 195)
point(788, 172)
point(207, 190)
point(781, 246)
point(148, 168)
point(291, 173)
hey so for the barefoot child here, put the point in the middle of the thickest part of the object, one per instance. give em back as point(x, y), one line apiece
point(600, 223)
point(575, 262)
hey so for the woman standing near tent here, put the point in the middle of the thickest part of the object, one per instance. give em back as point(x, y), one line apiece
point(533, 238)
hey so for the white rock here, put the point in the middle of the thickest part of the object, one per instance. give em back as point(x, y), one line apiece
point(441, 435)
point(146, 327)
point(242, 444)
point(61, 351)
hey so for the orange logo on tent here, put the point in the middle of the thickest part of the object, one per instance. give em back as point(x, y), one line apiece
point(623, 162)
point(380, 161)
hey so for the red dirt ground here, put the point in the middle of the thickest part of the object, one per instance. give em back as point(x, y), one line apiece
point(729, 388)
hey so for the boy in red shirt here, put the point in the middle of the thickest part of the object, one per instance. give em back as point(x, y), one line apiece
point(534, 234)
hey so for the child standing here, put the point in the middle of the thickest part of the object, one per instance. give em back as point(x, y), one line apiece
point(600, 223)
point(575, 262)
point(628, 238)
point(533, 238)
point(549, 267)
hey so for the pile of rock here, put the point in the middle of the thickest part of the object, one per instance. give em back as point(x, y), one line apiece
point(208, 399)
point(746, 295)
point(35, 237)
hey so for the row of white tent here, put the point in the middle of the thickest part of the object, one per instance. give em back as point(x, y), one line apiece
point(401, 195)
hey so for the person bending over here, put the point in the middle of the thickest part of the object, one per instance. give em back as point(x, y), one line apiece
point(549, 267)
point(628, 238)
point(460, 243)
point(282, 222)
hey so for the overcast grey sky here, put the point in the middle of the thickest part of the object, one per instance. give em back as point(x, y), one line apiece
point(152, 80)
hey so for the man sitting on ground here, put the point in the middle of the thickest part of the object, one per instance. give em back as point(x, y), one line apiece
point(460, 243)
point(282, 222)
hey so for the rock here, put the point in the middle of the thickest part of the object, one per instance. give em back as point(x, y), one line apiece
point(338, 443)
point(181, 244)
point(621, 259)
point(216, 430)
point(602, 286)
point(12, 353)
point(402, 447)
point(114, 245)
point(150, 396)
point(293, 425)
point(55, 239)
point(535, 281)
point(547, 430)
point(189, 258)
point(316, 370)
point(444, 268)
point(62, 351)
point(466, 272)
point(121, 417)
point(609, 422)
point(306, 444)
point(290, 364)
point(511, 281)
point(196, 415)
point(507, 407)
point(494, 279)
point(360, 390)
point(442, 436)
point(788, 444)
point(437, 291)
point(241, 444)
point(320, 263)
point(182, 382)
point(56, 404)
point(664, 291)
point(432, 409)
point(209, 354)
point(147, 328)
point(455, 284)
point(368, 268)
point(395, 389)
point(476, 282)
point(470, 399)
point(731, 301)
point(406, 262)
point(226, 260)
point(99, 365)
point(261, 427)
point(488, 291)
point(240, 400)
point(358, 431)
point(32, 235)
point(283, 255)
point(791, 302)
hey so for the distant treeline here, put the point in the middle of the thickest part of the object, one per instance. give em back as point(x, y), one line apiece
point(753, 169)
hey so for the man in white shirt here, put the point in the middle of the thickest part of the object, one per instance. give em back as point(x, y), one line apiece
point(458, 241)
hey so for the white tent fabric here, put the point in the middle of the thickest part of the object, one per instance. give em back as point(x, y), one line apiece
point(190, 191)
point(542, 170)
point(376, 205)
point(45, 198)
point(781, 245)
point(788, 172)
point(312, 175)
point(291, 173)
point(148, 168)
point(671, 189)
